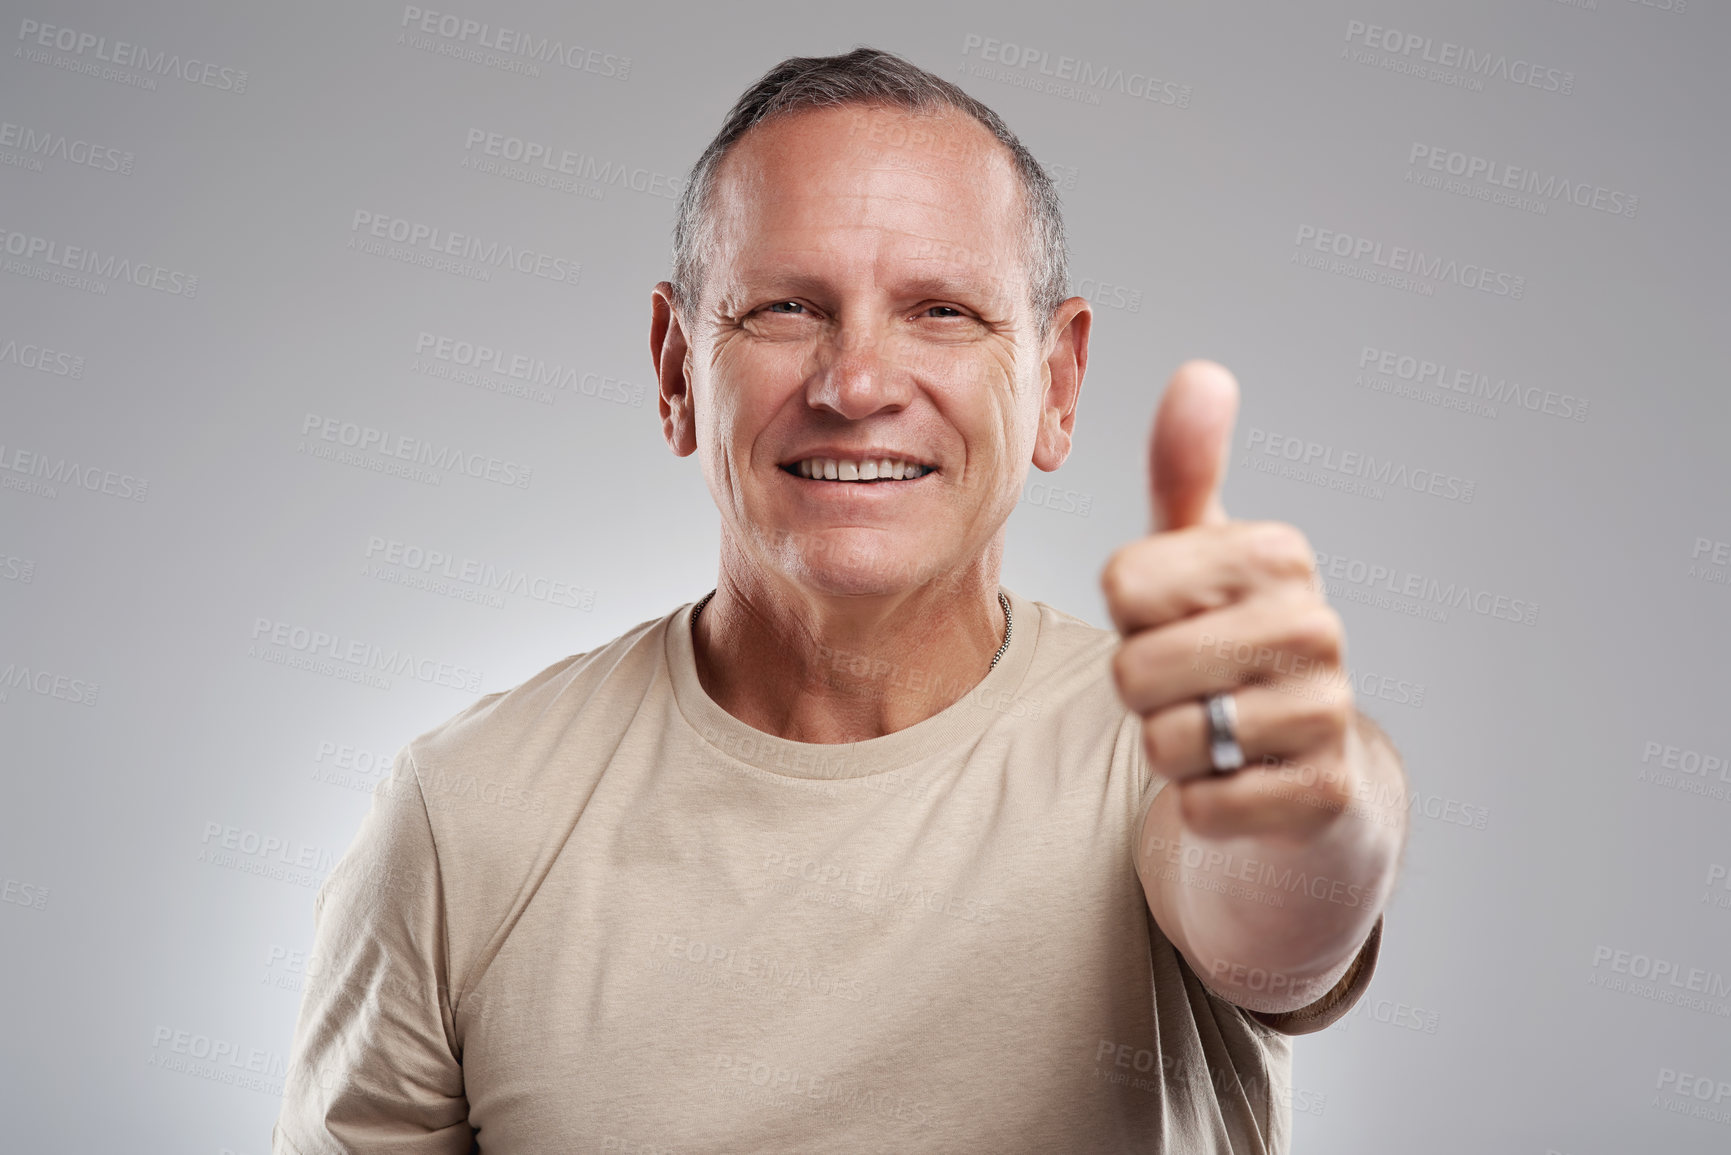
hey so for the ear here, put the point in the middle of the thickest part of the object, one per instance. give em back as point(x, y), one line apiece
point(1061, 376)
point(668, 349)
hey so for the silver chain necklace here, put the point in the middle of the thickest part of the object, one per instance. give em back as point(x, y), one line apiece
point(1002, 600)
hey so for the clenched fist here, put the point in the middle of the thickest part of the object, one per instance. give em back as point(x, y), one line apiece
point(1207, 604)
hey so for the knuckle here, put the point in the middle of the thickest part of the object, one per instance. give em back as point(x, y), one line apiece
point(1326, 720)
point(1112, 577)
point(1151, 741)
point(1281, 549)
point(1204, 812)
point(1123, 667)
point(1315, 629)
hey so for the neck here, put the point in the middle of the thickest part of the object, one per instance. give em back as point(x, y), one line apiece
point(813, 666)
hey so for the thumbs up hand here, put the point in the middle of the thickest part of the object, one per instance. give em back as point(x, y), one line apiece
point(1207, 605)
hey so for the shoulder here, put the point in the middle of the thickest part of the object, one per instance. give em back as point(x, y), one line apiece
point(1076, 711)
point(1067, 699)
point(495, 730)
point(1069, 636)
point(1072, 662)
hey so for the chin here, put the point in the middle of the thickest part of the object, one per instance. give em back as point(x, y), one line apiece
point(852, 561)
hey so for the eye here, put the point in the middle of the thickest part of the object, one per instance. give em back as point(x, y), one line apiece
point(776, 307)
point(945, 311)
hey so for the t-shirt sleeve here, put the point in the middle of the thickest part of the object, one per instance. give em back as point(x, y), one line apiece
point(375, 1063)
point(1337, 1002)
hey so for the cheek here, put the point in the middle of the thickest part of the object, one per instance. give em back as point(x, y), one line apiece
point(743, 395)
point(978, 392)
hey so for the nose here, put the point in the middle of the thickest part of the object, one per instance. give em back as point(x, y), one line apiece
point(858, 374)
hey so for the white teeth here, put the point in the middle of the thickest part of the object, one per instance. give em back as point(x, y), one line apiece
point(879, 469)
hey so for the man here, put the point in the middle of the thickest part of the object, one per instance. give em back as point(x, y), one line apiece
point(863, 851)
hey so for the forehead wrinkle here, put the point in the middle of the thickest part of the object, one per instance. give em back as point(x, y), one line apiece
point(788, 191)
point(947, 261)
point(870, 175)
point(814, 267)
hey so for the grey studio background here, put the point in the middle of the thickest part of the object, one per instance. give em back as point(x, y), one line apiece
point(1468, 262)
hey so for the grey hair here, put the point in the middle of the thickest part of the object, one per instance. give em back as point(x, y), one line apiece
point(872, 77)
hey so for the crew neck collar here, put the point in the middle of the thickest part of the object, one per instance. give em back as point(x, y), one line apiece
point(966, 718)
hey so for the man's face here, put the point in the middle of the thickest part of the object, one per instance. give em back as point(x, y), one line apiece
point(866, 302)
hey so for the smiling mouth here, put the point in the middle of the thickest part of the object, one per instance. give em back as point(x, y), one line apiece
point(857, 472)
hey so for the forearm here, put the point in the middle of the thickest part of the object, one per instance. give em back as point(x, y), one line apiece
point(1279, 920)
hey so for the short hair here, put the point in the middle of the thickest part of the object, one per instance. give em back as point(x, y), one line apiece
point(868, 76)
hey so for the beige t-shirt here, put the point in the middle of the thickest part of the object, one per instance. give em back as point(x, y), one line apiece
point(596, 912)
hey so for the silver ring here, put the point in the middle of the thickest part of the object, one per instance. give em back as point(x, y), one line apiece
point(1225, 755)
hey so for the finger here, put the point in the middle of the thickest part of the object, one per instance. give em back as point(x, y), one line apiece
point(1166, 576)
point(1188, 447)
point(1280, 721)
point(1279, 798)
point(1287, 634)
